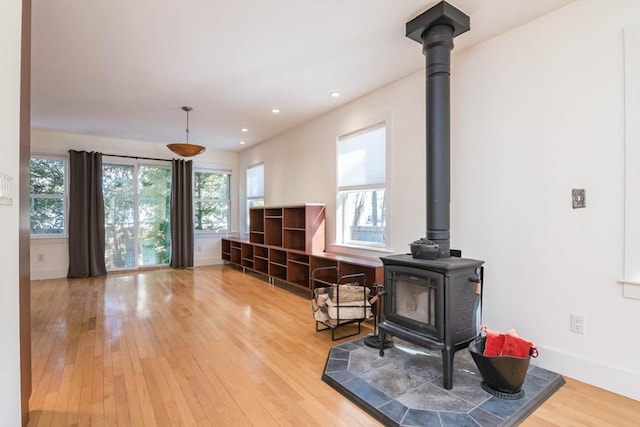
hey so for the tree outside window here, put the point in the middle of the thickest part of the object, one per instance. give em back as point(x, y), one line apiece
point(211, 197)
point(48, 196)
point(137, 211)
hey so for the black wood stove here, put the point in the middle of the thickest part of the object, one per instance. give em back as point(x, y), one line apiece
point(434, 303)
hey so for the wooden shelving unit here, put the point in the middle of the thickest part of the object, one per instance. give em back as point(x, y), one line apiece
point(287, 243)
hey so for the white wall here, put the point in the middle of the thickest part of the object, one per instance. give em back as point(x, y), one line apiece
point(10, 28)
point(536, 112)
point(300, 165)
point(53, 252)
point(539, 111)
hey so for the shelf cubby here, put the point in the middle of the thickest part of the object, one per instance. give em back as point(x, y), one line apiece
point(256, 219)
point(298, 269)
point(273, 212)
point(345, 269)
point(260, 252)
point(298, 274)
point(256, 236)
point(328, 276)
point(294, 217)
point(236, 255)
point(261, 265)
point(278, 257)
point(278, 271)
point(273, 231)
point(246, 251)
point(293, 238)
point(256, 225)
point(226, 250)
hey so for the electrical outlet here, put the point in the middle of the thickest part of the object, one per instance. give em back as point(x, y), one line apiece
point(577, 323)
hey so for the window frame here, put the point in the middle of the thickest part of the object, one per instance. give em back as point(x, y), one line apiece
point(343, 191)
point(228, 173)
point(64, 196)
point(631, 278)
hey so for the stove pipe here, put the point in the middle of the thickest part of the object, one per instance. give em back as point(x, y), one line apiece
point(435, 30)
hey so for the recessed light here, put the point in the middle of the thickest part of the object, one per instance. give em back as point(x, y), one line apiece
point(335, 94)
point(275, 111)
point(244, 130)
point(242, 142)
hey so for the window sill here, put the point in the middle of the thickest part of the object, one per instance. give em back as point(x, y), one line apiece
point(204, 233)
point(367, 251)
point(49, 240)
point(630, 288)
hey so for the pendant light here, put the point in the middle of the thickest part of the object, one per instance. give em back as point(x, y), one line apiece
point(185, 149)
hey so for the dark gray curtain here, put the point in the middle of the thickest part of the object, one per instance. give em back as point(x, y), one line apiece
point(181, 214)
point(86, 215)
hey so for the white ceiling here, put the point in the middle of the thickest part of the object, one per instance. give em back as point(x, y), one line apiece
point(123, 68)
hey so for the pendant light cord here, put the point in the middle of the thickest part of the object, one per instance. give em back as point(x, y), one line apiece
point(187, 126)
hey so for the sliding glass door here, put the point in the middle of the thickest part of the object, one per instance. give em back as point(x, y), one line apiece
point(154, 203)
point(137, 203)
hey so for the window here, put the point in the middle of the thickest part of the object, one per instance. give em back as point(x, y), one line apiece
point(48, 197)
point(137, 203)
point(361, 180)
point(255, 187)
point(211, 198)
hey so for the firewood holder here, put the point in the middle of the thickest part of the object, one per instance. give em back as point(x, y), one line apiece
point(325, 279)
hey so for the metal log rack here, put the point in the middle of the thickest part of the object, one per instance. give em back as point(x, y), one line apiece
point(322, 278)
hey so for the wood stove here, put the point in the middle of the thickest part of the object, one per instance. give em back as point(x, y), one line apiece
point(433, 303)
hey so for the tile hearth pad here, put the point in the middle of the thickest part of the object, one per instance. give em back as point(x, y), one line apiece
point(404, 388)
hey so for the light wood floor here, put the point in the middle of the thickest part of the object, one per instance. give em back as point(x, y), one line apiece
point(210, 346)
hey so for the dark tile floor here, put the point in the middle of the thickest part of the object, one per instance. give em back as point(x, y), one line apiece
point(404, 388)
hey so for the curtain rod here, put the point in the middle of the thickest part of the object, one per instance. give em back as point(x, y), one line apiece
point(137, 157)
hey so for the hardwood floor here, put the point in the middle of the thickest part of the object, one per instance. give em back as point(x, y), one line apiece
point(209, 346)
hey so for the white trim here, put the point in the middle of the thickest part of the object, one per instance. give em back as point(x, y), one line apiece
point(200, 262)
point(632, 162)
point(49, 274)
point(616, 379)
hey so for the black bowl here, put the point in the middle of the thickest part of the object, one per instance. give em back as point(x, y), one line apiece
point(424, 249)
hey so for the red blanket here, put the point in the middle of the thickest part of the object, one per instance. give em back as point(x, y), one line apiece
point(509, 344)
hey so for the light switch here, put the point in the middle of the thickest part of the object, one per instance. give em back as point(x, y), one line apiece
point(578, 198)
point(6, 193)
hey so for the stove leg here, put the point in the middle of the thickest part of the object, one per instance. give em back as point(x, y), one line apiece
point(382, 337)
point(447, 367)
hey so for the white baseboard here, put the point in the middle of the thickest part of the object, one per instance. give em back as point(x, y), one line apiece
point(207, 261)
point(48, 274)
point(62, 273)
point(616, 379)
